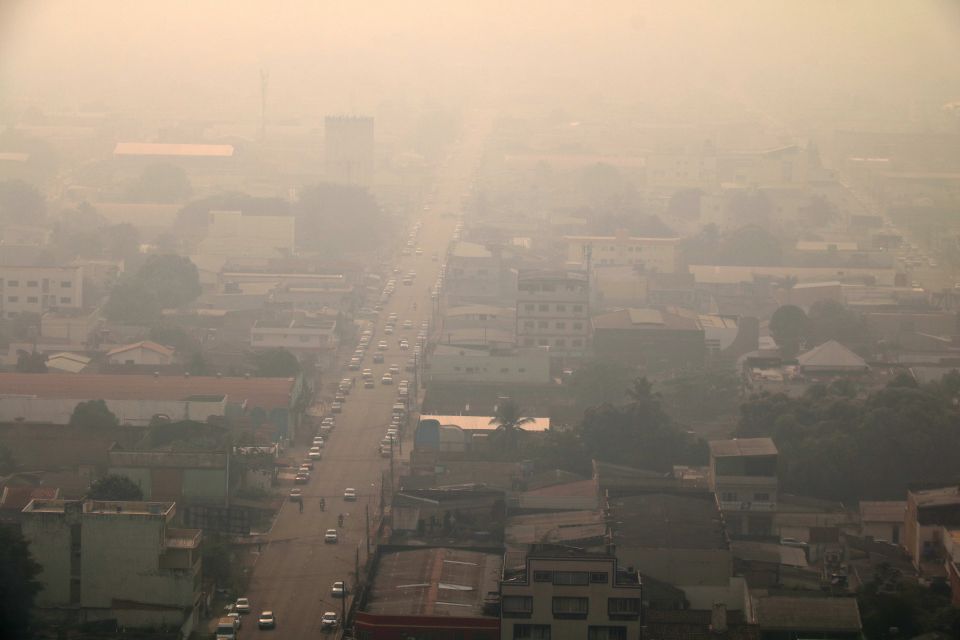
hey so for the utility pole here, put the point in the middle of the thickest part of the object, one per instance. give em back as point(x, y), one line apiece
point(366, 509)
point(343, 606)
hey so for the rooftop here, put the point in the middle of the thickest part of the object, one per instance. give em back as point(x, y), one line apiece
point(433, 582)
point(742, 447)
point(936, 497)
point(262, 392)
point(552, 274)
point(173, 150)
point(832, 615)
point(665, 521)
point(643, 239)
point(882, 511)
point(645, 319)
point(470, 250)
point(102, 507)
point(482, 423)
point(556, 527)
point(831, 355)
point(16, 498)
point(143, 344)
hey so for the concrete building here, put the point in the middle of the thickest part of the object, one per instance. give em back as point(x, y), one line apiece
point(73, 326)
point(349, 150)
point(655, 339)
point(883, 520)
point(489, 366)
point(300, 333)
point(660, 255)
point(553, 310)
point(928, 512)
point(478, 275)
point(37, 290)
point(106, 560)
point(743, 476)
point(232, 233)
point(561, 594)
point(443, 593)
point(480, 316)
point(144, 352)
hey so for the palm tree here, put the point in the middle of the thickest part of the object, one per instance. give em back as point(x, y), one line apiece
point(509, 420)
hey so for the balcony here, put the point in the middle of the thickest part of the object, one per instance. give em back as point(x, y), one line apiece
point(747, 505)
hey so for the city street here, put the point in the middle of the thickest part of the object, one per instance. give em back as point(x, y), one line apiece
point(296, 568)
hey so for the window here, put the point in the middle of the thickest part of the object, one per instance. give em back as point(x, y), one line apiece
point(598, 577)
point(544, 307)
point(543, 342)
point(561, 307)
point(528, 307)
point(761, 497)
point(564, 607)
point(561, 325)
point(728, 496)
point(504, 370)
point(560, 342)
point(577, 342)
point(304, 338)
point(13, 283)
point(571, 577)
point(33, 299)
point(606, 633)
point(543, 324)
point(481, 272)
point(543, 576)
point(13, 298)
point(31, 283)
point(65, 284)
point(549, 287)
point(528, 342)
point(528, 324)
point(578, 308)
point(623, 608)
point(531, 632)
point(65, 300)
point(577, 326)
point(517, 606)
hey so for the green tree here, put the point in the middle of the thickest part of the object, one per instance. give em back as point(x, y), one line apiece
point(702, 394)
point(334, 217)
point(21, 203)
point(18, 583)
point(276, 363)
point(131, 303)
point(115, 487)
point(831, 320)
point(509, 420)
point(31, 362)
point(7, 462)
point(173, 279)
point(599, 381)
point(789, 326)
point(93, 414)
point(161, 182)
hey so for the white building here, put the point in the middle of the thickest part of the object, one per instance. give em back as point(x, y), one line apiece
point(553, 310)
point(489, 366)
point(233, 234)
point(114, 560)
point(40, 289)
point(299, 333)
point(653, 254)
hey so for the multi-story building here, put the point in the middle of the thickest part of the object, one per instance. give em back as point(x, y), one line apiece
point(40, 289)
point(743, 475)
point(450, 364)
point(114, 560)
point(299, 333)
point(478, 275)
point(561, 594)
point(655, 339)
point(349, 149)
point(660, 255)
point(553, 310)
point(929, 512)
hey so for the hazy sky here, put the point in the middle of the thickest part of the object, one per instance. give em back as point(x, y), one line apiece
point(203, 56)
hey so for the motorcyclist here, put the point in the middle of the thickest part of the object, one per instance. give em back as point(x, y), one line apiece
point(323, 504)
point(340, 520)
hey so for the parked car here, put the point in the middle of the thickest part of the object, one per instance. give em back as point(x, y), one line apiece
point(329, 621)
point(243, 605)
point(338, 590)
point(336, 407)
point(314, 453)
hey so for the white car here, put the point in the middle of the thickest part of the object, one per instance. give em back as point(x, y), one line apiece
point(382, 345)
point(318, 442)
point(329, 620)
point(243, 605)
point(314, 453)
point(338, 590)
point(350, 494)
point(386, 379)
point(330, 536)
point(408, 324)
point(394, 369)
point(267, 620)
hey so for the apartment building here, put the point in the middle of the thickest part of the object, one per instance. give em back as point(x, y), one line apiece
point(118, 560)
point(660, 255)
point(929, 513)
point(743, 475)
point(39, 289)
point(563, 594)
point(553, 310)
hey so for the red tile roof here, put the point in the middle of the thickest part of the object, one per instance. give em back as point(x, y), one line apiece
point(267, 393)
point(16, 498)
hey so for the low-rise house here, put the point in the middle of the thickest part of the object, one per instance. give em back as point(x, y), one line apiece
point(67, 362)
point(883, 520)
point(564, 594)
point(831, 359)
point(657, 340)
point(743, 476)
point(112, 560)
point(928, 512)
point(789, 618)
point(144, 352)
point(660, 255)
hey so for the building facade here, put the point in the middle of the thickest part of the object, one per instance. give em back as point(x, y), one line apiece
point(114, 560)
point(349, 149)
point(553, 310)
point(660, 255)
point(743, 475)
point(40, 289)
point(566, 596)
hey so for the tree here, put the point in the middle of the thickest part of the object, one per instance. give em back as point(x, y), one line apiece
point(685, 204)
point(276, 363)
point(161, 182)
point(702, 394)
point(7, 462)
point(131, 303)
point(599, 381)
point(31, 362)
point(21, 203)
point(831, 320)
point(18, 583)
point(509, 421)
point(174, 279)
point(789, 326)
point(115, 487)
point(93, 414)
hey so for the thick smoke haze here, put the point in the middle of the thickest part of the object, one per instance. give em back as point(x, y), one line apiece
point(189, 57)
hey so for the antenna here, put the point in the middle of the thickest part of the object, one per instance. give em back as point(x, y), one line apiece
point(264, 82)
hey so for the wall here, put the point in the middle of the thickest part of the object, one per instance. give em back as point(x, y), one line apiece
point(527, 366)
point(679, 567)
point(133, 412)
point(38, 289)
point(49, 538)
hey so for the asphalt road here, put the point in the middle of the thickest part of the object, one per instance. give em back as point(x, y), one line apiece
point(296, 568)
